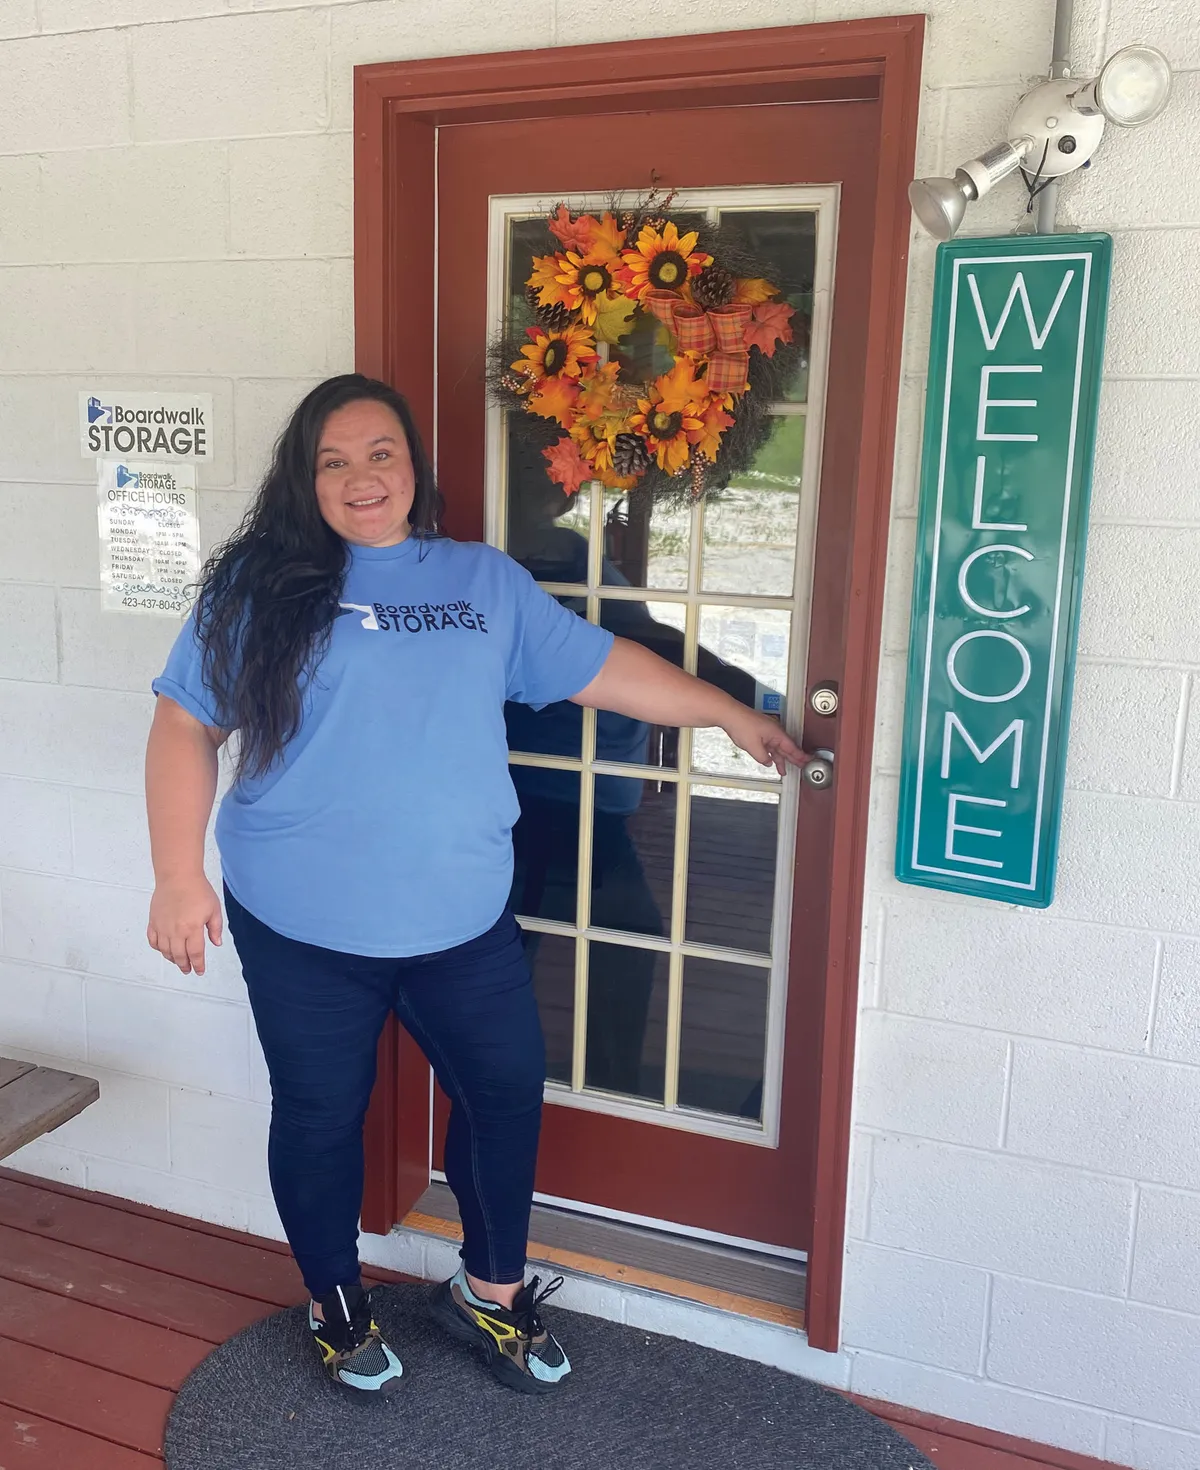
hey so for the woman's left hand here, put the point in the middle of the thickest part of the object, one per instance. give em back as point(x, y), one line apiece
point(764, 738)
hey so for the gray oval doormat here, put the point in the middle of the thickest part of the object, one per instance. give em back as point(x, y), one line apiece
point(634, 1402)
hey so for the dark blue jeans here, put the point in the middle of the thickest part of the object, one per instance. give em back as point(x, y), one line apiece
point(319, 1015)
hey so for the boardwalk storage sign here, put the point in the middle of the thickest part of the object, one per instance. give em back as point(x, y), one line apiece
point(145, 425)
point(1018, 337)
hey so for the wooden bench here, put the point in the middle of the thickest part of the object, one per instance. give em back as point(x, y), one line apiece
point(33, 1100)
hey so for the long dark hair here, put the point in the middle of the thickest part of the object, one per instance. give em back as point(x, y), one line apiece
point(269, 594)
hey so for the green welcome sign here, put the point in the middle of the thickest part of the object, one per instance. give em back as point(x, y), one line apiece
point(1014, 376)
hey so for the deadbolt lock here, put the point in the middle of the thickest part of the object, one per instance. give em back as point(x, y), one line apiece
point(824, 699)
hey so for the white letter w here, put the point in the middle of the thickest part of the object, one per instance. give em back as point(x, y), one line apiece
point(1018, 289)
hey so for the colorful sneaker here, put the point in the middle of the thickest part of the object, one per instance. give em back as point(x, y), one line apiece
point(352, 1349)
point(515, 1344)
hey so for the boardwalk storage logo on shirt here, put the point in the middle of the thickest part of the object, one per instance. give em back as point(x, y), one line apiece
point(426, 617)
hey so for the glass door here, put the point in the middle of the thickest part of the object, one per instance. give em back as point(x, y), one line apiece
point(653, 864)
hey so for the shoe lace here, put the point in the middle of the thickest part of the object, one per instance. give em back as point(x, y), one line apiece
point(358, 1327)
point(529, 1322)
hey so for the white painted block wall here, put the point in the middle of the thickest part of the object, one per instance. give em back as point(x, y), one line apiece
point(175, 208)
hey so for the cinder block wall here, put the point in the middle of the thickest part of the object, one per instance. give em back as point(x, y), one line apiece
point(175, 187)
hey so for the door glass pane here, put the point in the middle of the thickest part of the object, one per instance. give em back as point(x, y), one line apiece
point(745, 651)
point(787, 238)
point(646, 543)
point(731, 868)
point(750, 529)
point(618, 738)
point(552, 960)
point(546, 844)
point(526, 238)
point(627, 1020)
point(547, 530)
point(633, 855)
point(723, 1038)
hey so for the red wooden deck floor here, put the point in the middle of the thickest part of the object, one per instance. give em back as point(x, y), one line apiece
point(107, 1306)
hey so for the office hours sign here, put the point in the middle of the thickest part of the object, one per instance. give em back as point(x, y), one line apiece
point(1015, 363)
point(149, 538)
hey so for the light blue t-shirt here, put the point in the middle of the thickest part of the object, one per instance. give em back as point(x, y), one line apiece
point(385, 829)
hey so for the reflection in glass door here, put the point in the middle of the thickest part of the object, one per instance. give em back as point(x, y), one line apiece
point(652, 864)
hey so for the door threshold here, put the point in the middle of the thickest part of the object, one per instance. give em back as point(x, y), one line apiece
point(746, 1282)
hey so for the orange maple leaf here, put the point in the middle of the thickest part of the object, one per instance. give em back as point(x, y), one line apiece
point(575, 234)
point(608, 237)
point(771, 325)
point(753, 289)
point(596, 389)
point(568, 467)
point(713, 423)
point(545, 277)
point(679, 389)
point(555, 399)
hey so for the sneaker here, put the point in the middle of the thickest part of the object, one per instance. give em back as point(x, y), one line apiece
point(515, 1344)
point(351, 1347)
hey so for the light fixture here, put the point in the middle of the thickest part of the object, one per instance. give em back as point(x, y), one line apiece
point(1133, 87)
point(1055, 129)
point(940, 204)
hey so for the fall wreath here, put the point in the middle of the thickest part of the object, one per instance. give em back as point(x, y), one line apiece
point(618, 295)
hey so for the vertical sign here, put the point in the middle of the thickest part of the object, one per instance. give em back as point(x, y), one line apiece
point(149, 540)
point(1014, 376)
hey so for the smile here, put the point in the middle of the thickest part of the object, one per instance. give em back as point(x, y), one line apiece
point(361, 504)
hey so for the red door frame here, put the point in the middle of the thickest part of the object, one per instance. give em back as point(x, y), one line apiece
point(398, 108)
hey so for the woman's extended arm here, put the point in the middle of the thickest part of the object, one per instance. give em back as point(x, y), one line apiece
point(181, 783)
point(638, 683)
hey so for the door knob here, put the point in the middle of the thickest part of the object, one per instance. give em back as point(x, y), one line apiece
point(818, 769)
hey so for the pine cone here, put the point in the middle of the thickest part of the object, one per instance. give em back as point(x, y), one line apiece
point(631, 455)
point(556, 316)
point(714, 287)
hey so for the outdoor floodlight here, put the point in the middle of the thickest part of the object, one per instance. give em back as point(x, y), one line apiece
point(1055, 129)
point(940, 204)
point(1133, 87)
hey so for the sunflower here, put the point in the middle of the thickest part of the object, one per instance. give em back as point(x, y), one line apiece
point(664, 260)
point(586, 281)
point(555, 354)
point(671, 411)
point(594, 439)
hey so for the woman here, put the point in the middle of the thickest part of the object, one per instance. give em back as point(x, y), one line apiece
point(364, 662)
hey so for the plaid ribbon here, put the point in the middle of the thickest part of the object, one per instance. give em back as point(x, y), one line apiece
point(693, 328)
point(728, 372)
point(662, 304)
point(719, 334)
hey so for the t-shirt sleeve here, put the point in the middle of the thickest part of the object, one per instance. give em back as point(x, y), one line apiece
point(555, 653)
point(183, 678)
